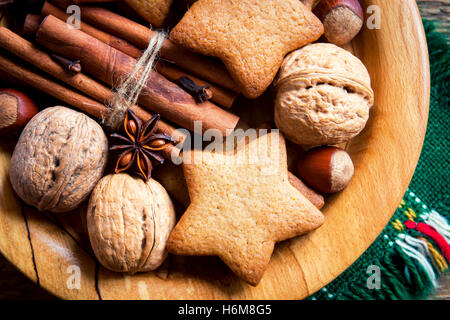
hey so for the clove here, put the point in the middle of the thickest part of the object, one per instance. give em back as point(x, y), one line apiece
point(73, 67)
point(201, 93)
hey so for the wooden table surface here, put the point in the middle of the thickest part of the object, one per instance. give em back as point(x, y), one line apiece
point(15, 286)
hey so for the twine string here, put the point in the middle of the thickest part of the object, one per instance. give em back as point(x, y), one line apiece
point(129, 90)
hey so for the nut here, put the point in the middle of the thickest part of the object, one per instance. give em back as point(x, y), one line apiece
point(342, 19)
point(323, 95)
point(129, 222)
point(16, 109)
point(326, 169)
point(60, 156)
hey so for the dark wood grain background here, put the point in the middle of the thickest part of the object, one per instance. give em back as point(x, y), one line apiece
point(15, 286)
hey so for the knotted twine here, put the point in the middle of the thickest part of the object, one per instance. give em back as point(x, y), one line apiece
point(129, 90)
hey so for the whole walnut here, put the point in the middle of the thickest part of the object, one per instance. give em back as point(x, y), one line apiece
point(129, 222)
point(323, 95)
point(60, 156)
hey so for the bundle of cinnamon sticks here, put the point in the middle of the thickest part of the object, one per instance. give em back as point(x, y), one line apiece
point(104, 50)
point(107, 52)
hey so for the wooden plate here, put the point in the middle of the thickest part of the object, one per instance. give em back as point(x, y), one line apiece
point(53, 249)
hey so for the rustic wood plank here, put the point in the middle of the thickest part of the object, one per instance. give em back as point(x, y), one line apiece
point(444, 291)
point(57, 253)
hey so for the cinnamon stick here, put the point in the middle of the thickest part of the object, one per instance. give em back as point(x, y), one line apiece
point(221, 96)
point(204, 67)
point(112, 66)
point(63, 94)
point(27, 51)
point(113, 41)
point(52, 88)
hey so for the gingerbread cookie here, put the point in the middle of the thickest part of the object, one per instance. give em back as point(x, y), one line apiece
point(154, 11)
point(251, 37)
point(241, 205)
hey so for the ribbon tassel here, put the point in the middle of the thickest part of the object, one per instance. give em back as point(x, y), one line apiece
point(433, 234)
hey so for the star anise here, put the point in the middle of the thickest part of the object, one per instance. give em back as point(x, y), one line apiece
point(140, 145)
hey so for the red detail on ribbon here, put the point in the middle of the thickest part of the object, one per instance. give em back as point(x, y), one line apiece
point(433, 234)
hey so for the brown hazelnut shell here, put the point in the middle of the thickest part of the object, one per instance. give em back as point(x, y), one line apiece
point(342, 19)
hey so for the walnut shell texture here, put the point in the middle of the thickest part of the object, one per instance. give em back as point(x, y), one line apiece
point(129, 222)
point(58, 159)
point(323, 95)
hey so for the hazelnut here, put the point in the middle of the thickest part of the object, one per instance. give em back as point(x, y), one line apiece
point(58, 159)
point(323, 95)
point(129, 221)
point(342, 19)
point(16, 109)
point(326, 169)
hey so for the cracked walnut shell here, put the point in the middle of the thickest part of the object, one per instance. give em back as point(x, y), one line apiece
point(323, 95)
point(129, 222)
point(60, 156)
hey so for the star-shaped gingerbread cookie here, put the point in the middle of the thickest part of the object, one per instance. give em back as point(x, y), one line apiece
point(241, 205)
point(251, 37)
